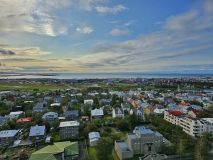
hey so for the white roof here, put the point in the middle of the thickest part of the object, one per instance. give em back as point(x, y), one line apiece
point(15, 113)
point(210, 120)
point(159, 110)
point(94, 135)
point(69, 124)
point(8, 133)
point(55, 104)
point(97, 112)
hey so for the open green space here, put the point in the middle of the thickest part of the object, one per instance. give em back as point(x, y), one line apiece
point(23, 87)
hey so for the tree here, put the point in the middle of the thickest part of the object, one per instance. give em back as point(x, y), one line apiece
point(90, 157)
point(180, 148)
point(104, 148)
point(116, 105)
point(202, 148)
point(123, 125)
point(48, 126)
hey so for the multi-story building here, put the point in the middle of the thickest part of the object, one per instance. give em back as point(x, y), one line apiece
point(190, 125)
point(144, 141)
point(50, 117)
point(69, 129)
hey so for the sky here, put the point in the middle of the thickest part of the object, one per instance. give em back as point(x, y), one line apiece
point(106, 36)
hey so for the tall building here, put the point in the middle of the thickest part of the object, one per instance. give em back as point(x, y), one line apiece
point(69, 129)
point(192, 126)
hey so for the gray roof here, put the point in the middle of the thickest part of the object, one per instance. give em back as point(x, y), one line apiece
point(74, 112)
point(2, 120)
point(8, 133)
point(37, 130)
point(93, 135)
point(123, 146)
point(50, 114)
point(143, 130)
point(125, 105)
point(132, 136)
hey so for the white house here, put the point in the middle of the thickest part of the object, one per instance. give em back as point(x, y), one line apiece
point(118, 112)
point(88, 101)
point(137, 111)
point(97, 113)
point(93, 138)
point(15, 115)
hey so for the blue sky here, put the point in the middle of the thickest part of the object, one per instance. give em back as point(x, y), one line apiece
point(106, 36)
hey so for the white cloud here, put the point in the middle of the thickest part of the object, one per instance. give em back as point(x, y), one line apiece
point(114, 9)
point(85, 30)
point(185, 39)
point(118, 32)
point(34, 16)
point(129, 23)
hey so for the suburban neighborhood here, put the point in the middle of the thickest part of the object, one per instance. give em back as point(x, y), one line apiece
point(145, 119)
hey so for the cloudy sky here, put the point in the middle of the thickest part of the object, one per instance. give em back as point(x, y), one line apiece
point(106, 35)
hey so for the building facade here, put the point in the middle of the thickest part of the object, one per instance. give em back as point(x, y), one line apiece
point(190, 125)
point(69, 129)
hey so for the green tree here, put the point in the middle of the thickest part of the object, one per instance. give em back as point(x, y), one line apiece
point(104, 148)
point(180, 148)
point(48, 126)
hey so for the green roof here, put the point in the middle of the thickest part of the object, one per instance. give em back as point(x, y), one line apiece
point(48, 152)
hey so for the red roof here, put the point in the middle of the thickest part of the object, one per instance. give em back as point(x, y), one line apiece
point(28, 119)
point(85, 117)
point(196, 112)
point(175, 113)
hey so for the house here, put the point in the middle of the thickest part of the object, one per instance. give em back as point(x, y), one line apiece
point(89, 101)
point(71, 115)
point(137, 111)
point(2, 120)
point(159, 112)
point(194, 113)
point(97, 113)
point(15, 115)
point(85, 118)
point(7, 136)
point(39, 107)
point(69, 129)
point(93, 138)
point(117, 112)
point(50, 117)
point(125, 106)
point(37, 133)
point(123, 150)
point(144, 141)
point(60, 150)
point(23, 121)
point(17, 108)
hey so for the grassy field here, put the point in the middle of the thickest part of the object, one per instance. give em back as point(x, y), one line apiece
point(23, 87)
point(92, 151)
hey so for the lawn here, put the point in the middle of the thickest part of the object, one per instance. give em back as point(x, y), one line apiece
point(121, 135)
point(92, 151)
point(22, 87)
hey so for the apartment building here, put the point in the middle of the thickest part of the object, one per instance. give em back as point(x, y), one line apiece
point(190, 125)
point(69, 129)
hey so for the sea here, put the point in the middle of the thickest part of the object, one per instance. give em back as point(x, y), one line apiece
point(102, 75)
